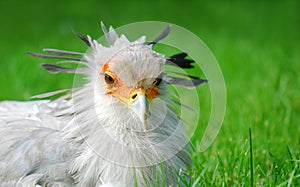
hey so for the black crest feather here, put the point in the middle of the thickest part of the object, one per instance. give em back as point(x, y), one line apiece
point(52, 68)
point(53, 57)
point(63, 52)
point(164, 34)
point(83, 38)
point(180, 60)
point(187, 83)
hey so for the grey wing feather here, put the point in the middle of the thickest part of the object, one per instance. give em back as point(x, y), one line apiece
point(33, 150)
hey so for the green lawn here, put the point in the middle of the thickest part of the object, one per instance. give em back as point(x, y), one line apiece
point(257, 44)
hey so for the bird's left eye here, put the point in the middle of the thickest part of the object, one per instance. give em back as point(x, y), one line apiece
point(108, 79)
point(157, 81)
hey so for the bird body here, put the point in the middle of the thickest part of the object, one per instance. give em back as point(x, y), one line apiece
point(33, 149)
point(118, 129)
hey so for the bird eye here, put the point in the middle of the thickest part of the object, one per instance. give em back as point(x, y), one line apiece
point(157, 81)
point(108, 79)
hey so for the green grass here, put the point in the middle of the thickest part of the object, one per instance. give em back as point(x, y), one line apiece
point(257, 45)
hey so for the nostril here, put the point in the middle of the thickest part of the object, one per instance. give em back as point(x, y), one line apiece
point(134, 96)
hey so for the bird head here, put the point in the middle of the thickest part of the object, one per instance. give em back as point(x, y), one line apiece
point(133, 77)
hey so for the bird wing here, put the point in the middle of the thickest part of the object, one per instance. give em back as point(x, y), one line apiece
point(43, 113)
point(33, 150)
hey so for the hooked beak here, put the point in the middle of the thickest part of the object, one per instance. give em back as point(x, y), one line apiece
point(140, 106)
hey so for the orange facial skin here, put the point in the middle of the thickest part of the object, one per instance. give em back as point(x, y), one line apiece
point(125, 93)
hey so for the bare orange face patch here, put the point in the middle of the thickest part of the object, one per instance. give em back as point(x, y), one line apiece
point(151, 93)
point(117, 88)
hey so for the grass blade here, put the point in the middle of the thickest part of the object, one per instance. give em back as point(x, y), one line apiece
point(251, 159)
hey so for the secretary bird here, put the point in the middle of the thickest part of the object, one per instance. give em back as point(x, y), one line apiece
point(120, 128)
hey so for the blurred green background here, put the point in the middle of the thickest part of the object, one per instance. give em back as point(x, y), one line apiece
point(257, 45)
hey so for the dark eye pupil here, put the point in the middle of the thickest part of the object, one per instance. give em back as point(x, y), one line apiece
point(157, 81)
point(108, 79)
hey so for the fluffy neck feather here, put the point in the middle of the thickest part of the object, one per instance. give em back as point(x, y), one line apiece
point(114, 147)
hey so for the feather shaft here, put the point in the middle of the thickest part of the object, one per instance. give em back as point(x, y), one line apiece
point(62, 52)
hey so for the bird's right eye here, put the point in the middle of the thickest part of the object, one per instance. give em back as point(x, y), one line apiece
point(108, 79)
point(157, 81)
